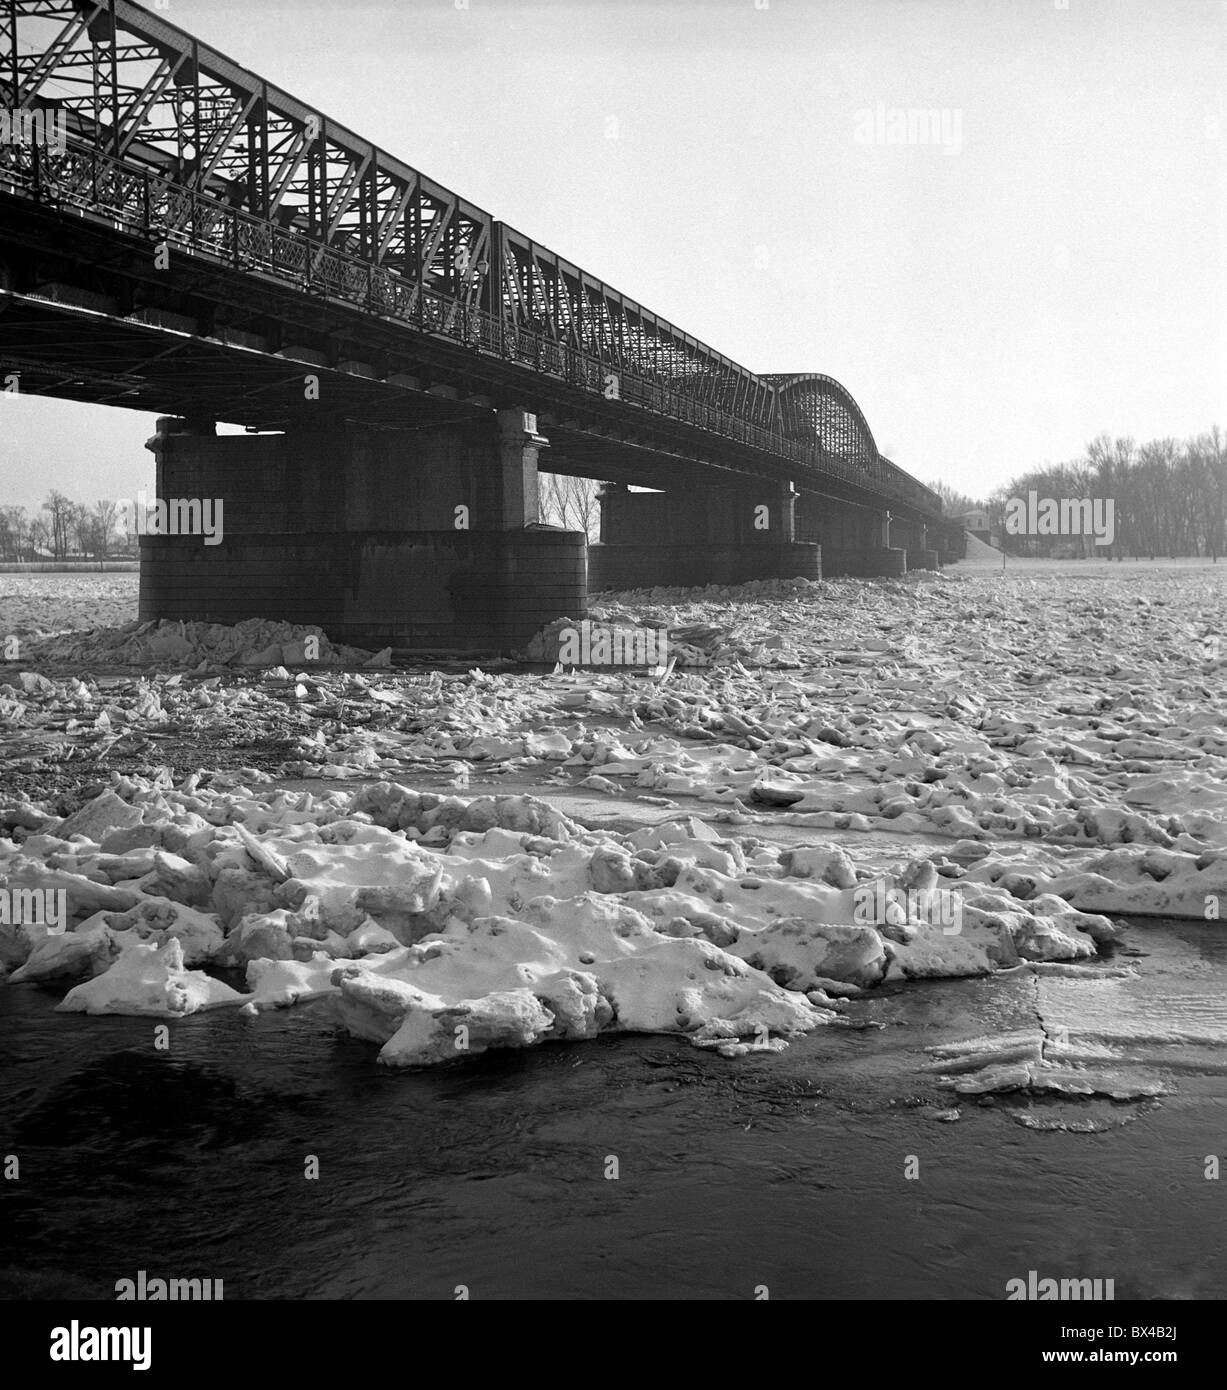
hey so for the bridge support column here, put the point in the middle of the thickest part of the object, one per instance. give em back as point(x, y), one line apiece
point(613, 511)
point(786, 506)
point(700, 536)
point(855, 539)
point(887, 558)
point(413, 539)
point(920, 555)
point(518, 450)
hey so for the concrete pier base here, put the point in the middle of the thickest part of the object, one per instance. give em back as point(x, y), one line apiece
point(868, 563)
point(646, 566)
point(858, 541)
point(715, 536)
point(383, 538)
point(429, 589)
point(429, 538)
point(923, 560)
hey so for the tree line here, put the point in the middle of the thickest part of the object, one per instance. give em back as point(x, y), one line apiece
point(569, 502)
point(1169, 499)
point(62, 528)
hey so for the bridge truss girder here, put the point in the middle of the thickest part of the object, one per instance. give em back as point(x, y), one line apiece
point(169, 138)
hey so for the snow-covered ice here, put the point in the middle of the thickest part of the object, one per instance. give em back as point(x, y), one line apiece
point(1042, 752)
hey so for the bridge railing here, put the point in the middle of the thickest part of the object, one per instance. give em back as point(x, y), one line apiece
point(140, 201)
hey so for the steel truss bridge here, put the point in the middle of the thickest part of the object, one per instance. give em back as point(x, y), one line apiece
point(292, 240)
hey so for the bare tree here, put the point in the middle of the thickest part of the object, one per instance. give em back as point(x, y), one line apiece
point(570, 502)
point(1111, 462)
point(1211, 452)
point(954, 501)
point(104, 526)
point(82, 528)
point(61, 512)
point(14, 533)
point(1168, 498)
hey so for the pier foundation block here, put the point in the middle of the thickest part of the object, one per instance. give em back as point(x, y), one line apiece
point(381, 537)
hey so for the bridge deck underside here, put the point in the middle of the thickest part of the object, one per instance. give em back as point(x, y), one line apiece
point(83, 355)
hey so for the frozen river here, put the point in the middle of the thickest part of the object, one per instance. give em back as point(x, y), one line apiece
point(1052, 740)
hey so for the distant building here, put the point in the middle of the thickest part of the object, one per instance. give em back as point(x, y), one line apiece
point(977, 522)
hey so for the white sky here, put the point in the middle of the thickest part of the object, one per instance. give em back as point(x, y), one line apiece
point(991, 308)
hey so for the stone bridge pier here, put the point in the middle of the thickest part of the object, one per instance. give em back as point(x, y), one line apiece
point(709, 535)
point(428, 538)
point(918, 540)
point(419, 538)
point(856, 540)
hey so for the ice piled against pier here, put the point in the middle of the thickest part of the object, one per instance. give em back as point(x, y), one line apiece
point(254, 642)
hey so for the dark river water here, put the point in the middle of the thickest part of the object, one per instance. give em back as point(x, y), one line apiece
point(780, 1170)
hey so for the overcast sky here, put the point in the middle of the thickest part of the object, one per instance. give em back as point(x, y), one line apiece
point(1055, 267)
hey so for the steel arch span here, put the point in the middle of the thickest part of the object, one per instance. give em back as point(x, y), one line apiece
point(813, 409)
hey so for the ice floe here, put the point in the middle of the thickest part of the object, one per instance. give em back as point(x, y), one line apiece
point(439, 925)
point(1040, 754)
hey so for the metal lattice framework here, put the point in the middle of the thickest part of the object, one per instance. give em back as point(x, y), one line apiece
point(569, 308)
point(817, 412)
point(168, 139)
point(814, 407)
